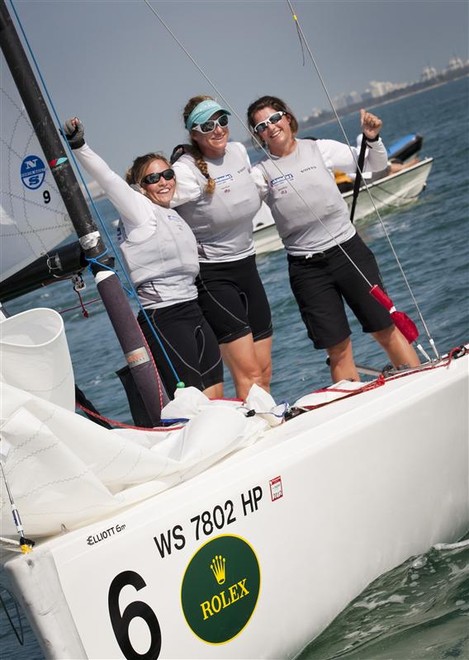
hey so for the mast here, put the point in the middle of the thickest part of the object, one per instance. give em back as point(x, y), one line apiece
point(142, 367)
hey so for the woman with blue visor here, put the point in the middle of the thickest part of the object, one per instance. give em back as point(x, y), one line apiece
point(217, 197)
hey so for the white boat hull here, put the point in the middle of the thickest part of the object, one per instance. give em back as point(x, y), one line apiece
point(316, 510)
point(390, 192)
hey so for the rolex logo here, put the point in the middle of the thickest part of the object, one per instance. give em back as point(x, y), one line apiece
point(218, 603)
point(218, 568)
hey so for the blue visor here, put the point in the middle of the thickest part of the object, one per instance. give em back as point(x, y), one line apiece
point(202, 113)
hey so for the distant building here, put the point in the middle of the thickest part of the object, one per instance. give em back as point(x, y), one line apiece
point(344, 100)
point(340, 101)
point(388, 90)
point(455, 63)
point(353, 97)
point(382, 88)
point(367, 95)
point(428, 73)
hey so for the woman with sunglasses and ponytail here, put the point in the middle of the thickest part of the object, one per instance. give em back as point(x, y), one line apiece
point(218, 198)
point(327, 260)
point(160, 253)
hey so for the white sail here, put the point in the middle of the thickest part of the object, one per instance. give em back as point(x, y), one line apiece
point(33, 218)
point(80, 470)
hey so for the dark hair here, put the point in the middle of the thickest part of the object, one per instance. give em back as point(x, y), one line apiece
point(195, 151)
point(135, 173)
point(269, 102)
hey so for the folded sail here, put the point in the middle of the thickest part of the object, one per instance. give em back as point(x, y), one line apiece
point(33, 218)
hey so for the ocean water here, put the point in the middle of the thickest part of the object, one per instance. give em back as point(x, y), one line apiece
point(420, 609)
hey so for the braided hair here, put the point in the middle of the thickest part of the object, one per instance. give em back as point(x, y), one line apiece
point(194, 148)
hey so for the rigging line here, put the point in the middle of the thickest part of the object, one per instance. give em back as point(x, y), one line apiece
point(19, 633)
point(90, 197)
point(25, 544)
point(54, 112)
point(236, 114)
point(313, 213)
point(194, 62)
point(299, 36)
point(304, 42)
point(260, 146)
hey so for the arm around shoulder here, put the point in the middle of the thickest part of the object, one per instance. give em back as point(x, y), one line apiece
point(259, 177)
point(187, 185)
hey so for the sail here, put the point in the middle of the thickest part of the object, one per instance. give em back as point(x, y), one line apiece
point(33, 218)
point(30, 196)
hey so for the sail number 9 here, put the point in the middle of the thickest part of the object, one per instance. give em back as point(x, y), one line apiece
point(121, 621)
point(46, 196)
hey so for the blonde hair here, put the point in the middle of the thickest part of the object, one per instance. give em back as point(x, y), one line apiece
point(195, 150)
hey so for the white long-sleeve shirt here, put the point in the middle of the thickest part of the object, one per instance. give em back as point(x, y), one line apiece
point(223, 221)
point(308, 208)
point(158, 246)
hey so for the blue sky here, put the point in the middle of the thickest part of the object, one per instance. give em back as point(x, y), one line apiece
point(114, 65)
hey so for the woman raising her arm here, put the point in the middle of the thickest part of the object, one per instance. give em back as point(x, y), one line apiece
point(323, 247)
point(161, 257)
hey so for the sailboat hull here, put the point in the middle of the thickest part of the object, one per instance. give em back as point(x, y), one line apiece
point(301, 522)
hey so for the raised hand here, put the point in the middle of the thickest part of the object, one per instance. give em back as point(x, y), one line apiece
point(371, 124)
point(74, 131)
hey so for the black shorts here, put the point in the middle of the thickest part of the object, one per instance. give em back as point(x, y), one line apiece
point(233, 300)
point(323, 282)
point(189, 342)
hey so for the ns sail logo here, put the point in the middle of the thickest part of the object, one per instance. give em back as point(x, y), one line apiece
point(33, 172)
point(220, 589)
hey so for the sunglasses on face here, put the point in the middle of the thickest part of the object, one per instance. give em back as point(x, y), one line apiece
point(210, 125)
point(154, 177)
point(274, 118)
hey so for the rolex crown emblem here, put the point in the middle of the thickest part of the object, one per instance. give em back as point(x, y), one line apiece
point(218, 568)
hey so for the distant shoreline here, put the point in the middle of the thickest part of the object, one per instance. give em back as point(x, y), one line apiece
point(411, 90)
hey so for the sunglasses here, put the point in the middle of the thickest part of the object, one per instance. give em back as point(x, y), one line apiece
point(154, 177)
point(273, 119)
point(210, 125)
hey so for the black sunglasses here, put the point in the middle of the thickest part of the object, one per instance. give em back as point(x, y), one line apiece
point(154, 177)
